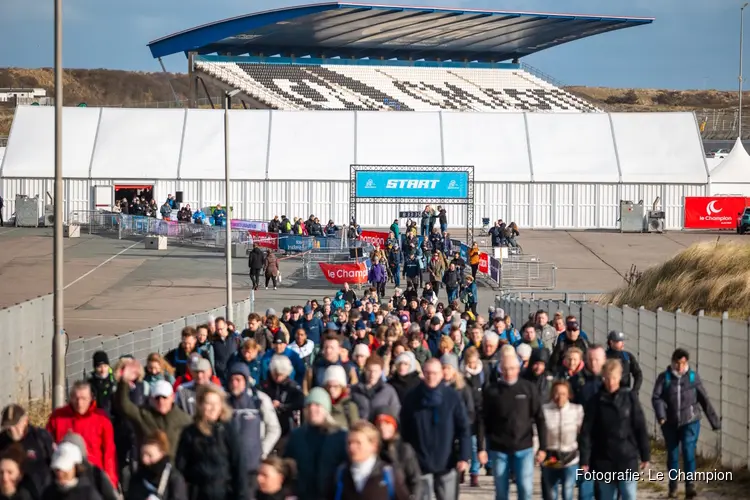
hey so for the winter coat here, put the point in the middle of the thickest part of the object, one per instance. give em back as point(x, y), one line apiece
point(404, 384)
point(147, 420)
point(562, 425)
point(291, 401)
point(342, 485)
point(451, 279)
point(630, 367)
point(262, 337)
point(38, 447)
point(431, 420)
point(96, 430)
point(370, 399)
point(98, 479)
point(377, 274)
point(213, 464)
point(314, 329)
point(614, 436)
point(298, 366)
point(178, 359)
point(103, 390)
point(561, 347)
point(509, 415)
point(82, 491)
point(21, 492)
point(256, 259)
point(345, 411)
point(587, 386)
point(399, 454)
point(223, 350)
point(254, 418)
point(680, 400)
point(146, 481)
point(308, 352)
point(436, 268)
point(542, 382)
point(272, 265)
point(473, 256)
point(318, 451)
point(475, 384)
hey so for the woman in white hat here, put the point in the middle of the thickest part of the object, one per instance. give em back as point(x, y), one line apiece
point(69, 483)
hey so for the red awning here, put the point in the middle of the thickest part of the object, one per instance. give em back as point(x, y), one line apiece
point(133, 186)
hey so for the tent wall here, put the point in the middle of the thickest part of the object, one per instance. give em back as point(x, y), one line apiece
point(531, 205)
point(539, 170)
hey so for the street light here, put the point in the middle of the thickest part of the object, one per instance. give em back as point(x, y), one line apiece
point(742, 26)
point(227, 105)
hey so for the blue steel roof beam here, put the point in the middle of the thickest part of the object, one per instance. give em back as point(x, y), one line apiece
point(569, 31)
point(402, 30)
point(438, 31)
point(520, 23)
point(564, 37)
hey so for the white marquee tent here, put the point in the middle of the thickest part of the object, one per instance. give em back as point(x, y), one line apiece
point(541, 170)
point(732, 175)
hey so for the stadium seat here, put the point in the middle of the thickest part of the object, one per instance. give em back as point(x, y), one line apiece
point(402, 88)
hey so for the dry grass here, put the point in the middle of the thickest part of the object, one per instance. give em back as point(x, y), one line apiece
point(714, 277)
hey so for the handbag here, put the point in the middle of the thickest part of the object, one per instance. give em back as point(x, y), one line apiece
point(557, 458)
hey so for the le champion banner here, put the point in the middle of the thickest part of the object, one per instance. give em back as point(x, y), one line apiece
point(264, 240)
point(353, 273)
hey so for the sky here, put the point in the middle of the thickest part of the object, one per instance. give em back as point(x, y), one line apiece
point(692, 44)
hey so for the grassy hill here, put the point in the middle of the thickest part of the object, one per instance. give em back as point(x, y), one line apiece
point(98, 87)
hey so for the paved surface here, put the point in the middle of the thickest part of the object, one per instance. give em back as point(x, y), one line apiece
point(115, 286)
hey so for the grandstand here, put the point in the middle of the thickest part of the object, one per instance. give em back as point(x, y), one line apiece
point(363, 57)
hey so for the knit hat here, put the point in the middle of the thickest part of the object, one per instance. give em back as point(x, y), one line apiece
point(449, 359)
point(100, 358)
point(335, 374)
point(435, 321)
point(386, 413)
point(239, 369)
point(524, 351)
point(360, 325)
point(320, 397)
point(270, 312)
point(361, 350)
point(539, 355)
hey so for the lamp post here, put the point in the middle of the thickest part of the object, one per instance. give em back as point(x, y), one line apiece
point(742, 26)
point(58, 336)
point(227, 105)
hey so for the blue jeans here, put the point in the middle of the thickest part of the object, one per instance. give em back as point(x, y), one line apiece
point(475, 465)
point(585, 488)
point(522, 464)
point(443, 228)
point(674, 437)
point(609, 491)
point(564, 477)
point(452, 294)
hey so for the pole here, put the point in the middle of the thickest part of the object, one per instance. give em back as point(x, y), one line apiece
point(58, 337)
point(227, 100)
point(742, 29)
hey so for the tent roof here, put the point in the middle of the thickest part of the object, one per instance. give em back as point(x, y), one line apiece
point(735, 169)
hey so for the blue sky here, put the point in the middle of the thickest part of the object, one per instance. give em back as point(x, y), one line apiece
point(692, 43)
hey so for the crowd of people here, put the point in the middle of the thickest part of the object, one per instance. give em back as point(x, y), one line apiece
point(358, 397)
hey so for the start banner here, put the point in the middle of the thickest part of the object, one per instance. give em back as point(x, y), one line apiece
point(264, 240)
point(713, 212)
point(375, 237)
point(338, 274)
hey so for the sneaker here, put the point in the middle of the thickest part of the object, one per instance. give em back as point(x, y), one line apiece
point(474, 481)
point(690, 491)
point(274, 288)
point(266, 288)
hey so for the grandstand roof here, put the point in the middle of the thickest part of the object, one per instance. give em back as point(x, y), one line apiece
point(371, 30)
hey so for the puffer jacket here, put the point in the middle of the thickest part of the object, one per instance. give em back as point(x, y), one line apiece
point(679, 399)
point(368, 399)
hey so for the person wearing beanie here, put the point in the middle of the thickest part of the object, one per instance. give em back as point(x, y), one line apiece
point(330, 355)
point(258, 436)
point(536, 372)
point(524, 353)
point(397, 452)
point(93, 474)
point(405, 375)
point(102, 382)
point(317, 447)
point(360, 354)
point(373, 391)
point(343, 408)
point(286, 397)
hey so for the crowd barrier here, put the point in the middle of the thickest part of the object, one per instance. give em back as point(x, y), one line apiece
point(719, 351)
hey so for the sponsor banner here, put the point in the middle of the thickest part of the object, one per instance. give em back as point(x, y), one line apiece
point(484, 263)
point(338, 274)
point(264, 239)
point(297, 243)
point(463, 250)
point(713, 212)
point(250, 225)
point(495, 270)
point(410, 215)
point(411, 184)
point(375, 237)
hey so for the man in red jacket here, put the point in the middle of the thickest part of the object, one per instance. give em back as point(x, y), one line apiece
point(83, 417)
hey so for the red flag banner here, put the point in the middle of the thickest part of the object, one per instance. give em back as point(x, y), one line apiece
point(484, 263)
point(375, 238)
point(338, 274)
point(265, 240)
point(713, 212)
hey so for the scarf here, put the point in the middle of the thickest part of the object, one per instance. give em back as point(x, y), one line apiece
point(361, 472)
point(474, 371)
point(433, 399)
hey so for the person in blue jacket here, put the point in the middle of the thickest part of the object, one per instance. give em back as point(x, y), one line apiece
point(219, 215)
point(470, 295)
point(312, 325)
point(280, 347)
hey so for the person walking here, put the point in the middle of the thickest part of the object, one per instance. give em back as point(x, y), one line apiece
point(452, 281)
point(156, 476)
point(563, 421)
point(474, 259)
point(678, 398)
point(35, 444)
point(255, 262)
point(614, 438)
point(511, 407)
point(286, 397)
point(271, 266)
point(433, 419)
point(397, 452)
point(373, 392)
point(318, 447)
point(365, 476)
point(630, 366)
point(378, 276)
point(69, 481)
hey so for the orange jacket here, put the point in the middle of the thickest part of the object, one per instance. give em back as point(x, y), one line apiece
point(473, 256)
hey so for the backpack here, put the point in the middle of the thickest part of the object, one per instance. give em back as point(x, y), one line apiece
point(387, 479)
point(668, 379)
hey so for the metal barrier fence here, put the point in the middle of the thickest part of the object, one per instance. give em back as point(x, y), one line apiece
point(566, 296)
point(183, 233)
point(719, 350)
point(27, 350)
point(95, 222)
point(139, 344)
point(523, 273)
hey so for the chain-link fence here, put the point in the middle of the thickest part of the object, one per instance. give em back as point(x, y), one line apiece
point(95, 222)
point(719, 350)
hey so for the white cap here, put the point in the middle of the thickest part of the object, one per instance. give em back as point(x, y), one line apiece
point(524, 350)
point(162, 389)
point(66, 457)
point(361, 350)
point(335, 374)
